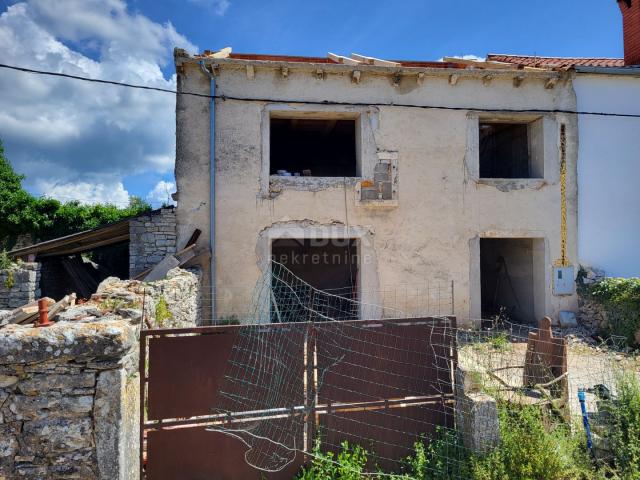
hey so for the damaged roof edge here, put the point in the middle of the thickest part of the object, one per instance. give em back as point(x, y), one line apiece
point(308, 64)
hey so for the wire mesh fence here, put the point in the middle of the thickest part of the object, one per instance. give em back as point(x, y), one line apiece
point(406, 385)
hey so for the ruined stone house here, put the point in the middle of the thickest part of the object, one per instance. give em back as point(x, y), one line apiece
point(456, 172)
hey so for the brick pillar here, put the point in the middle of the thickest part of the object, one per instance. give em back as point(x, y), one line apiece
point(631, 25)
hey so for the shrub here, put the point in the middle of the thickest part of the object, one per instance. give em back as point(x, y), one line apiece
point(5, 261)
point(620, 298)
point(624, 434)
point(528, 450)
point(442, 459)
point(348, 465)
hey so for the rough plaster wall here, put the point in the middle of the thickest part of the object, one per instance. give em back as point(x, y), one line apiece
point(192, 167)
point(441, 207)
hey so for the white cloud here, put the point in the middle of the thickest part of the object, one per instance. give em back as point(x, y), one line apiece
point(161, 193)
point(75, 134)
point(218, 7)
point(85, 192)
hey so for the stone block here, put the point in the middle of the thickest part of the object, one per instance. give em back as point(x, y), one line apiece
point(476, 414)
point(48, 382)
point(26, 407)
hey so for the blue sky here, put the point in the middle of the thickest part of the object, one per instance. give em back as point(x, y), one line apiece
point(96, 143)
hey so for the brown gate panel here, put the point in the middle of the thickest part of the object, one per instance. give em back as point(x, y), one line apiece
point(185, 372)
point(385, 384)
point(197, 454)
point(268, 390)
point(387, 434)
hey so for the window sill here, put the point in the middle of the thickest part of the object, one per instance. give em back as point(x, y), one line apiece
point(311, 183)
point(511, 184)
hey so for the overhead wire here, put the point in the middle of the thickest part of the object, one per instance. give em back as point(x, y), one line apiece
point(316, 102)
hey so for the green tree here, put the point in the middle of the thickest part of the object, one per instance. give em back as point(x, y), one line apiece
point(46, 218)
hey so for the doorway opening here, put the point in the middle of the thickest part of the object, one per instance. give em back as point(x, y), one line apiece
point(512, 279)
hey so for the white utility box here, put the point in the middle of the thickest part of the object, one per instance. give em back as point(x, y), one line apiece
point(563, 283)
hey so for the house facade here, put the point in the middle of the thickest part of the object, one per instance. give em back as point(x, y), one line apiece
point(361, 175)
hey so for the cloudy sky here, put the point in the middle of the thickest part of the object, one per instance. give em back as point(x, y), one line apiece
point(76, 140)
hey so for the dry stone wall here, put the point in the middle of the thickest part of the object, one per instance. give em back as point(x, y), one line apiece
point(69, 401)
point(19, 285)
point(151, 238)
point(173, 302)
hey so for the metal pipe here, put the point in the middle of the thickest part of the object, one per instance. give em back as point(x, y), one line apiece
point(43, 312)
point(212, 186)
point(585, 418)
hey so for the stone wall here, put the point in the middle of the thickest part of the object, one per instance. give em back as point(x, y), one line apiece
point(173, 302)
point(476, 414)
point(19, 285)
point(151, 238)
point(69, 401)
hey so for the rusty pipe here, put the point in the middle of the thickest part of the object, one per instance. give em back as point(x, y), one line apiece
point(43, 313)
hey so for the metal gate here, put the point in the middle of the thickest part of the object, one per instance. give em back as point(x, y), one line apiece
point(386, 381)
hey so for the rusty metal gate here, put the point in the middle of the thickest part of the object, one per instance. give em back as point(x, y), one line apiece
point(346, 379)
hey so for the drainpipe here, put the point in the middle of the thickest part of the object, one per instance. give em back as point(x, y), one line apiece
point(212, 187)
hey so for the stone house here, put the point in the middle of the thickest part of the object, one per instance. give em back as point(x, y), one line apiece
point(397, 172)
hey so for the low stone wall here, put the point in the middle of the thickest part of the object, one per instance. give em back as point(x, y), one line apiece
point(69, 401)
point(151, 238)
point(170, 303)
point(476, 414)
point(19, 285)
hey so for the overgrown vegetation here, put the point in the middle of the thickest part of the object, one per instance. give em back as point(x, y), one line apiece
point(46, 218)
point(5, 261)
point(532, 446)
point(531, 450)
point(620, 298)
point(349, 464)
point(624, 434)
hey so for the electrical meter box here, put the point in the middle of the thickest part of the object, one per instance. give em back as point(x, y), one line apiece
point(563, 283)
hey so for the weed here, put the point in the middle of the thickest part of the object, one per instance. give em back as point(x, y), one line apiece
point(163, 314)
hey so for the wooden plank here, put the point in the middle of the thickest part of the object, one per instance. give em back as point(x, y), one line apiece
point(343, 60)
point(481, 63)
point(374, 61)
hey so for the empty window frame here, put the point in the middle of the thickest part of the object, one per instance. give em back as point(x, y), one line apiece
point(316, 147)
point(511, 149)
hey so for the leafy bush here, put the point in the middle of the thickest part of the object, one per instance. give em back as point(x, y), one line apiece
point(348, 465)
point(5, 261)
point(443, 458)
point(620, 298)
point(528, 450)
point(624, 434)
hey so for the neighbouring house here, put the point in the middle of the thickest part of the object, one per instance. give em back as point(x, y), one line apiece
point(79, 262)
point(360, 175)
point(609, 149)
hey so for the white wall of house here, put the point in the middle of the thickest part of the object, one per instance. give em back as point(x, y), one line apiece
point(609, 174)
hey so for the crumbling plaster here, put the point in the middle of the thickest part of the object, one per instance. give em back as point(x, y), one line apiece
point(442, 207)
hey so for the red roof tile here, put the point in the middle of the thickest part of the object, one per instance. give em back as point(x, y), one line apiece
point(555, 62)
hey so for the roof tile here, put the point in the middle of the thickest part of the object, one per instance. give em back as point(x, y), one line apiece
point(556, 62)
